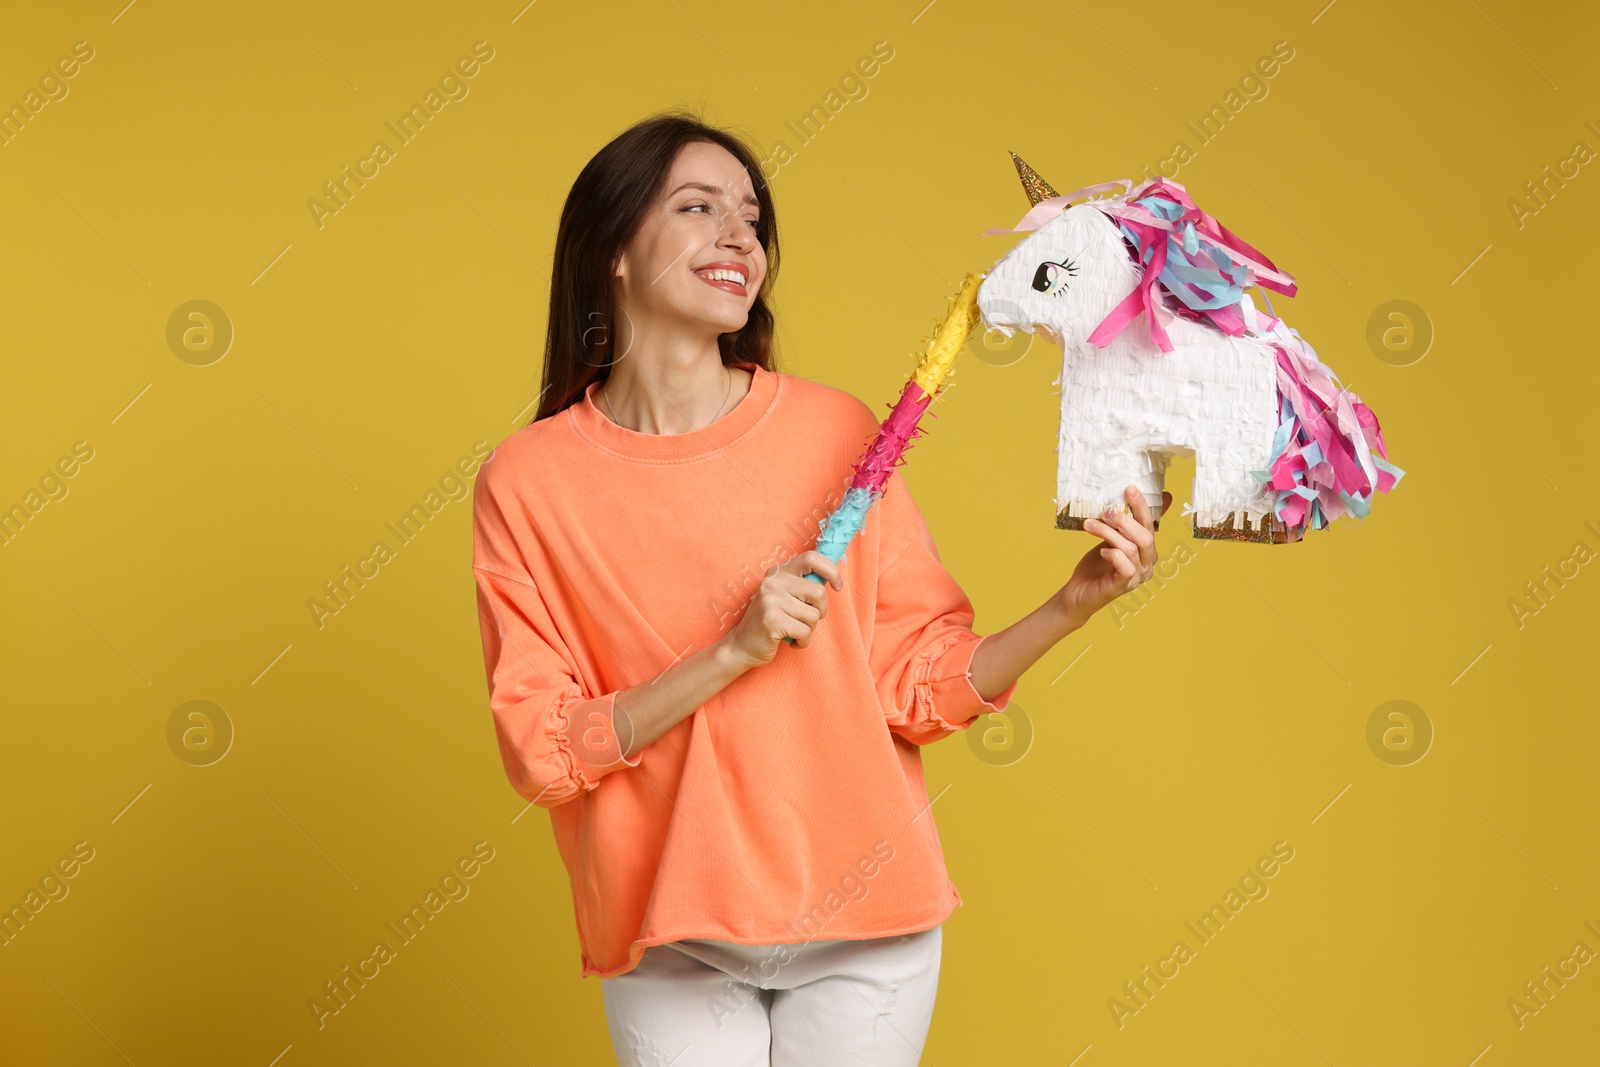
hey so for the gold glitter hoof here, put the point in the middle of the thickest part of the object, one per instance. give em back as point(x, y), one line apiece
point(1271, 530)
point(1067, 521)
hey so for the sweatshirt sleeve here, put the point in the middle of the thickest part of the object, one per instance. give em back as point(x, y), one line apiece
point(922, 641)
point(557, 739)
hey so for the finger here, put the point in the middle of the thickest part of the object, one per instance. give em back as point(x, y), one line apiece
point(814, 562)
point(826, 567)
point(1144, 537)
point(1138, 516)
point(799, 627)
point(805, 590)
point(1141, 510)
point(1118, 559)
point(792, 620)
point(805, 611)
point(790, 577)
point(1138, 526)
point(1112, 535)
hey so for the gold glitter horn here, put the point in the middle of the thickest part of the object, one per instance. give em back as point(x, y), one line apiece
point(1036, 187)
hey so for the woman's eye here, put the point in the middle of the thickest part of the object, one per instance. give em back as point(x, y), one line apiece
point(755, 224)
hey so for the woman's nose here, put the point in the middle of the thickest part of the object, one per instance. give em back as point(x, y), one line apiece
point(739, 236)
point(736, 230)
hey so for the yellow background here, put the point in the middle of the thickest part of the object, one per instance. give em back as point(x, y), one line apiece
point(1227, 713)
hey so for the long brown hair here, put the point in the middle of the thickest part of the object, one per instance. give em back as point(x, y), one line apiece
point(604, 209)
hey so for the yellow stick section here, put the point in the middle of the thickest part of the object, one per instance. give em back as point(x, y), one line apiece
point(951, 336)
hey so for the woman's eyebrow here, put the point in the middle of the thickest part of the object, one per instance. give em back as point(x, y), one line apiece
point(749, 198)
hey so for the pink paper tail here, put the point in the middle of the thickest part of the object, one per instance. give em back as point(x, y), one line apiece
point(1328, 458)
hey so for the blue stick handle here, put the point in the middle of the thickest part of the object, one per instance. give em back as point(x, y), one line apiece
point(841, 527)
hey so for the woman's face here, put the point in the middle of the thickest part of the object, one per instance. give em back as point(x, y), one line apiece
point(704, 219)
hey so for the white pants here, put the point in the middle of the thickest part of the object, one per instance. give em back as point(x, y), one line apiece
point(700, 1003)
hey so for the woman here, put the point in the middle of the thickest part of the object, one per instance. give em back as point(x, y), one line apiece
point(755, 870)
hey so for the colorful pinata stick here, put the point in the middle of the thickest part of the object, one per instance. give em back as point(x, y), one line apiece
point(895, 435)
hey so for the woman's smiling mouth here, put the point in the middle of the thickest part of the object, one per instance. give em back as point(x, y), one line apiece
point(728, 276)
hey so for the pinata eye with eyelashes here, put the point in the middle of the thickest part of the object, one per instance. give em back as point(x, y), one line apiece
point(1051, 277)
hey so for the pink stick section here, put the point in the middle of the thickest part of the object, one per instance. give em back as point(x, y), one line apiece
point(894, 437)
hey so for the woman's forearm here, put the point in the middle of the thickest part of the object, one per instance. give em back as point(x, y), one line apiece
point(651, 708)
point(1001, 658)
point(648, 710)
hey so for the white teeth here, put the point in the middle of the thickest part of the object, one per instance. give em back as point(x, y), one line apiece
point(720, 275)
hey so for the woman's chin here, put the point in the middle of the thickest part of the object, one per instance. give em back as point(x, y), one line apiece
point(721, 324)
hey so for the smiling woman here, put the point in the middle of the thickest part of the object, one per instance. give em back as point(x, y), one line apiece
point(710, 784)
point(638, 229)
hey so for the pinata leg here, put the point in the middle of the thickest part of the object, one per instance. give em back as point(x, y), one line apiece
point(1229, 503)
point(1087, 482)
point(1232, 440)
point(1266, 530)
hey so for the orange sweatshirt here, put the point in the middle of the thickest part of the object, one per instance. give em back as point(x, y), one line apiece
point(789, 807)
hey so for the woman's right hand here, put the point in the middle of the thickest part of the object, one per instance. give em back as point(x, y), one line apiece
point(785, 604)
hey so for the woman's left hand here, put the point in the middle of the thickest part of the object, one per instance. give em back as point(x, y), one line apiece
point(1124, 559)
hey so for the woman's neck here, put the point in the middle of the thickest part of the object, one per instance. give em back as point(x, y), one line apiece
point(659, 397)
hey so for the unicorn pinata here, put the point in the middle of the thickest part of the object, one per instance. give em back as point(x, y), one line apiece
point(1279, 445)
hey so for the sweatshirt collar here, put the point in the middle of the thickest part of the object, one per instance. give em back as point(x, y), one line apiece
point(593, 424)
